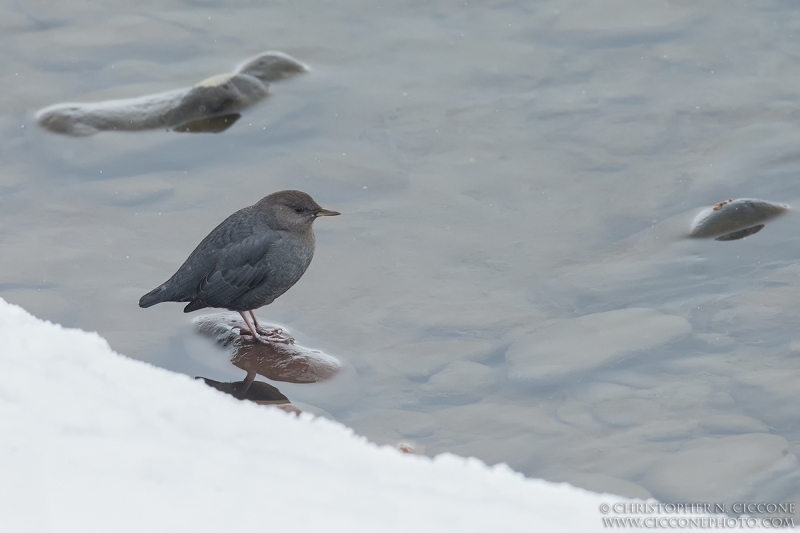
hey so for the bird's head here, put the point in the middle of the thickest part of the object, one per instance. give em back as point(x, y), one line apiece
point(294, 209)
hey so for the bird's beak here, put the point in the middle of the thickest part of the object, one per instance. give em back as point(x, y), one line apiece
point(326, 213)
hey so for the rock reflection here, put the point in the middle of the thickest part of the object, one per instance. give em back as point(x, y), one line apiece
point(209, 125)
point(254, 391)
point(279, 362)
point(210, 106)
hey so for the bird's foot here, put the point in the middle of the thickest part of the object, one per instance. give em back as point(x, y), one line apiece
point(275, 336)
point(266, 336)
point(268, 331)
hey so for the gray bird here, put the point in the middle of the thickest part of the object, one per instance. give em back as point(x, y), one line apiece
point(253, 257)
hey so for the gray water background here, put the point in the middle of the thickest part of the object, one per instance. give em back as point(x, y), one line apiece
point(507, 279)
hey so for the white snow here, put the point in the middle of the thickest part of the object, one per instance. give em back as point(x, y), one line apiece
point(94, 441)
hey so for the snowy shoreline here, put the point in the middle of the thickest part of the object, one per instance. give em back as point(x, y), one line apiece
point(95, 441)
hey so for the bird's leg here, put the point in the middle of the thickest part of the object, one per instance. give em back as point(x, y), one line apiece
point(276, 331)
point(250, 326)
point(273, 334)
point(251, 375)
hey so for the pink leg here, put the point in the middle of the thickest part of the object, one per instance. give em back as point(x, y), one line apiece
point(251, 375)
point(249, 326)
point(272, 335)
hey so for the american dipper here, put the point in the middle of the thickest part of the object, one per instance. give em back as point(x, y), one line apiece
point(253, 257)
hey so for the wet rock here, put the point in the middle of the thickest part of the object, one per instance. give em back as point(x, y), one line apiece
point(719, 469)
point(569, 346)
point(411, 448)
point(218, 96)
point(213, 105)
point(405, 447)
point(276, 361)
point(735, 219)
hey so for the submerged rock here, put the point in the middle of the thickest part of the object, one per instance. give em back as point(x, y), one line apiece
point(213, 105)
point(562, 348)
point(735, 219)
point(729, 468)
point(276, 361)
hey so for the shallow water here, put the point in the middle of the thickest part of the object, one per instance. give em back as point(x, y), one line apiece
point(504, 169)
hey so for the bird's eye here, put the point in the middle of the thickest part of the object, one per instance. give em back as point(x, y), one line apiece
point(298, 209)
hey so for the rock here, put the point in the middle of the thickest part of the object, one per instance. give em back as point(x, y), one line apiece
point(405, 447)
point(270, 67)
point(276, 361)
point(568, 346)
point(457, 383)
point(716, 469)
point(735, 219)
point(222, 95)
point(213, 105)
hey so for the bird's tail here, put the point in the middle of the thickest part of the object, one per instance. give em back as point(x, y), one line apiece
point(156, 296)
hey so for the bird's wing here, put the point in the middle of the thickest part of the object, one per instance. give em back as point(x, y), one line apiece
point(240, 268)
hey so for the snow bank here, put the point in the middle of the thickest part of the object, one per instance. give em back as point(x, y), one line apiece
point(93, 441)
